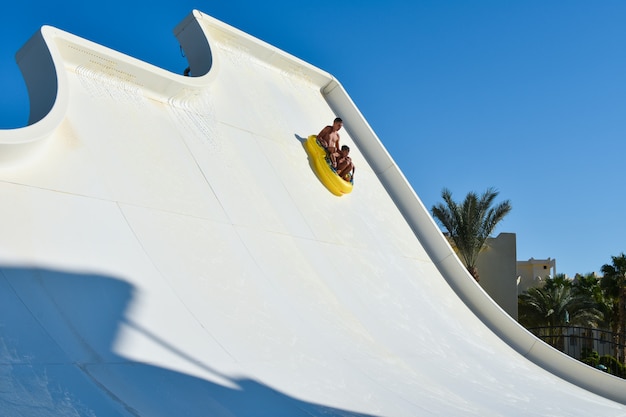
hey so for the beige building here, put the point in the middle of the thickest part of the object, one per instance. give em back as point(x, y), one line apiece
point(533, 272)
point(503, 277)
point(497, 267)
point(497, 270)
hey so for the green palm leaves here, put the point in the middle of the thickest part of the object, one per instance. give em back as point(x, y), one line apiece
point(558, 303)
point(614, 285)
point(470, 223)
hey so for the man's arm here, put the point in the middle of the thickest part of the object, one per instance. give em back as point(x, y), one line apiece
point(323, 135)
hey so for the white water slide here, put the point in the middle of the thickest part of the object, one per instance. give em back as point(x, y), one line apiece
point(166, 249)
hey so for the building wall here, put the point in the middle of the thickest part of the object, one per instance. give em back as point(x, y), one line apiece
point(503, 277)
point(497, 267)
point(533, 272)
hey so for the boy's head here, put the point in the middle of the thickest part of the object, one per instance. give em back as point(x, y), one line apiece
point(345, 149)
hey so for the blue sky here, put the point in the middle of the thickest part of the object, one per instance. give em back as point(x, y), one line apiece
point(527, 97)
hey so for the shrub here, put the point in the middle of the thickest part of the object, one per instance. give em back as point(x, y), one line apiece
point(590, 357)
point(613, 365)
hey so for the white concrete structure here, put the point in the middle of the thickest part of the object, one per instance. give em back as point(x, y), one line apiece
point(166, 250)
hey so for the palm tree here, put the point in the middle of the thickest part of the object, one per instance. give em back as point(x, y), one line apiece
point(469, 224)
point(588, 286)
point(613, 284)
point(559, 280)
point(555, 305)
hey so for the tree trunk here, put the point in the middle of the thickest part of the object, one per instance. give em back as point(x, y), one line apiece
point(621, 330)
point(474, 272)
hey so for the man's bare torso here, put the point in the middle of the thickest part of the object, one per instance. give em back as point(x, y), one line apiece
point(329, 137)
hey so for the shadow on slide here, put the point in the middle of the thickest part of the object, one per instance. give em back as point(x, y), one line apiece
point(57, 330)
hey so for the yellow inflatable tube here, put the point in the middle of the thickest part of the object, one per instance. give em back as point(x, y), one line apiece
point(327, 175)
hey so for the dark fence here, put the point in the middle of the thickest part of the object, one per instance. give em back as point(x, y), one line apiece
point(600, 348)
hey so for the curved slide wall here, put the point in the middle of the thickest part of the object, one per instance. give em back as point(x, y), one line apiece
point(167, 250)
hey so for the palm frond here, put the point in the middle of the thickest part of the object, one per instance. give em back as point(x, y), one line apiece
point(471, 222)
